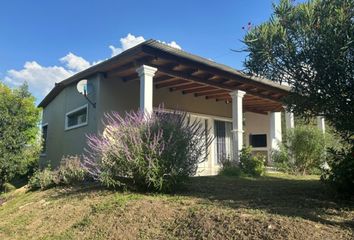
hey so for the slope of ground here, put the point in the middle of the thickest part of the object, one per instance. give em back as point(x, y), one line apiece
point(272, 207)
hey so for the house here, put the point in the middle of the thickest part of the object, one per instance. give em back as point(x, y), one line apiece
point(239, 109)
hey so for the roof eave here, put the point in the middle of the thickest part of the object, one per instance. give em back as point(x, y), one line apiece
point(147, 47)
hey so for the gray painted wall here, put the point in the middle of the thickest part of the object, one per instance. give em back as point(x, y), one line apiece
point(61, 142)
point(117, 96)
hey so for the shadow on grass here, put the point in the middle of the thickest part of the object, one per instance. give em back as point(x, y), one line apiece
point(79, 191)
point(307, 199)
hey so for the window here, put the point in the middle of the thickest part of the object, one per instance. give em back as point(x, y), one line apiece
point(76, 118)
point(223, 137)
point(44, 138)
point(258, 140)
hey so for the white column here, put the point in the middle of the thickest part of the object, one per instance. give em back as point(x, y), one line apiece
point(237, 123)
point(321, 124)
point(289, 124)
point(289, 120)
point(146, 75)
point(274, 130)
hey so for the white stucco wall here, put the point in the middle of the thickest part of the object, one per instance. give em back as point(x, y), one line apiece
point(257, 124)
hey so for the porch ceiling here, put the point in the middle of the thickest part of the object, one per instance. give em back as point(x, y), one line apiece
point(189, 79)
point(185, 73)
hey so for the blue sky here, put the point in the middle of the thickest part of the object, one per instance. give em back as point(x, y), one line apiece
point(40, 33)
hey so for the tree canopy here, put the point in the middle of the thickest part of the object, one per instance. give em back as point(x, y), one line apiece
point(309, 46)
point(19, 141)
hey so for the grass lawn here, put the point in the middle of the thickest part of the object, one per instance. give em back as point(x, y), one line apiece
point(272, 207)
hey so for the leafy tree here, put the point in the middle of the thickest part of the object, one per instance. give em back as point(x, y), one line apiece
point(309, 46)
point(19, 143)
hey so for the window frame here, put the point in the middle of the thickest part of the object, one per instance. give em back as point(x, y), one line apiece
point(43, 154)
point(253, 134)
point(228, 141)
point(74, 111)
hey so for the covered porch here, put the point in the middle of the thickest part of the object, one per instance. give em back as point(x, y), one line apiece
point(235, 117)
point(239, 109)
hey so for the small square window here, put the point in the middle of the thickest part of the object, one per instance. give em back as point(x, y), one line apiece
point(76, 118)
point(258, 140)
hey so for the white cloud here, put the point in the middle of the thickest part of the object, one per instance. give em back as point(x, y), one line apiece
point(41, 79)
point(130, 41)
point(74, 62)
point(172, 44)
point(127, 42)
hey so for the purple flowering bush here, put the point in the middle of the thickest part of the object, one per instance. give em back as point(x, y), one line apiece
point(151, 152)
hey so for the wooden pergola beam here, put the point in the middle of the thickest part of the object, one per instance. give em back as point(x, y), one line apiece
point(223, 98)
point(248, 103)
point(135, 64)
point(217, 96)
point(216, 85)
point(213, 77)
point(164, 78)
point(196, 72)
point(210, 92)
point(188, 77)
point(261, 105)
point(171, 83)
point(211, 70)
point(115, 72)
point(198, 89)
point(185, 87)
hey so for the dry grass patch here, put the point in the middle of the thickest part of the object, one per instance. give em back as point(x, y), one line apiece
point(272, 207)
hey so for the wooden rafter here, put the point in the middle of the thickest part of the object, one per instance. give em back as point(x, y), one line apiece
point(213, 77)
point(164, 78)
point(198, 89)
point(185, 87)
point(210, 92)
point(211, 70)
point(216, 85)
point(223, 98)
point(171, 83)
point(128, 66)
point(221, 95)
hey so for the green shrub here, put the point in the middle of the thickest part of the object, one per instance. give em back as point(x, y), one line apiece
point(229, 168)
point(231, 171)
point(251, 165)
point(282, 161)
point(340, 175)
point(70, 171)
point(8, 187)
point(154, 152)
point(302, 152)
point(43, 179)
